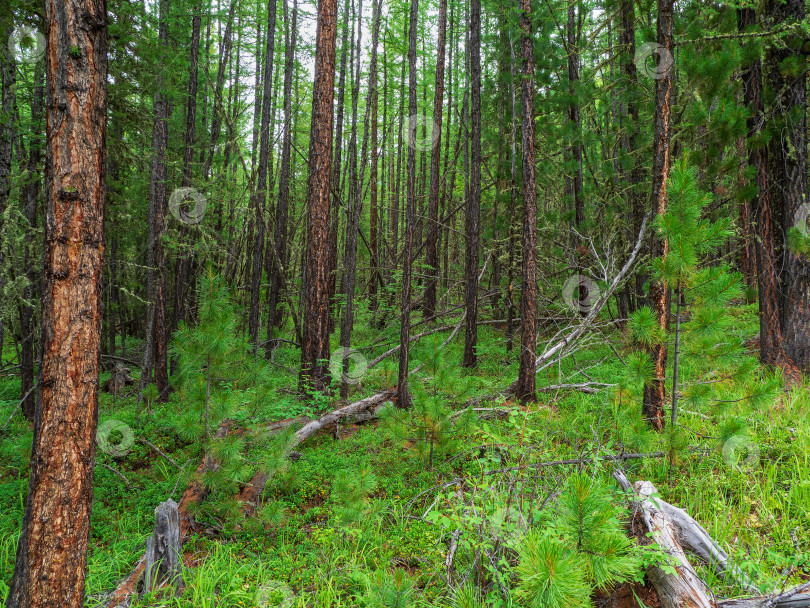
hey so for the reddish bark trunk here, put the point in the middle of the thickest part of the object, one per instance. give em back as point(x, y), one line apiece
point(52, 552)
point(315, 346)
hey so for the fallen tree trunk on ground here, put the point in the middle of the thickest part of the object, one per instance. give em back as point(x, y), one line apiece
point(675, 530)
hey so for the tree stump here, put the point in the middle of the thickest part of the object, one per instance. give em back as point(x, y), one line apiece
point(163, 548)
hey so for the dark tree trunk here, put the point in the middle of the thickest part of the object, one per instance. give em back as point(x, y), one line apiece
point(348, 281)
point(528, 296)
point(655, 392)
point(472, 227)
point(29, 194)
point(632, 294)
point(182, 267)
point(277, 281)
point(404, 400)
point(260, 196)
point(770, 332)
point(747, 255)
point(52, 551)
point(510, 306)
point(315, 346)
point(790, 164)
point(155, 343)
point(432, 256)
point(216, 112)
point(573, 183)
point(373, 211)
point(334, 223)
point(7, 135)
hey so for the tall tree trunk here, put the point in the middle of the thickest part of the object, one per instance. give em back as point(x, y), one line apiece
point(573, 183)
point(277, 280)
point(373, 211)
point(770, 331)
point(404, 399)
point(52, 551)
point(315, 346)
point(222, 71)
point(472, 223)
point(348, 281)
point(632, 294)
point(334, 223)
point(7, 128)
point(655, 392)
point(528, 296)
point(182, 267)
point(790, 162)
point(155, 343)
point(432, 256)
point(260, 196)
point(29, 194)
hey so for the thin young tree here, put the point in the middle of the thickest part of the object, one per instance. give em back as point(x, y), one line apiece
point(29, 193)
point(155, 355)
point(432, 256)
point(404, 399)
point(315, 346)
point(260, 195)
point(282, 211)
point(528, 295)
point(472, 223)
point(51, 558)
point(655, 391)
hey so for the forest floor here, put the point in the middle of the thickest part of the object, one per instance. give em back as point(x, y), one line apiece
point(316, 543)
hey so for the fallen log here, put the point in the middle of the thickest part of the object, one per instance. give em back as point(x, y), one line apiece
point(690, 535)
point(695, 539)
point(684, 588)
point(195, 492)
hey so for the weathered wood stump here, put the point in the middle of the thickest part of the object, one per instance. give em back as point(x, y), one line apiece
point(163, 557)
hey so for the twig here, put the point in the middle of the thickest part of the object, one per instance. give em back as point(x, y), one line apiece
point(117, 472)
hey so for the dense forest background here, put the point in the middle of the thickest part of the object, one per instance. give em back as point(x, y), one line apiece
point(475, 241)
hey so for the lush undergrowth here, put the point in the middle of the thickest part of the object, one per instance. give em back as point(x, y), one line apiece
point(366, 519)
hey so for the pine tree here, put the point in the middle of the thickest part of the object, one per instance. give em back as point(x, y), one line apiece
point(430, 423)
